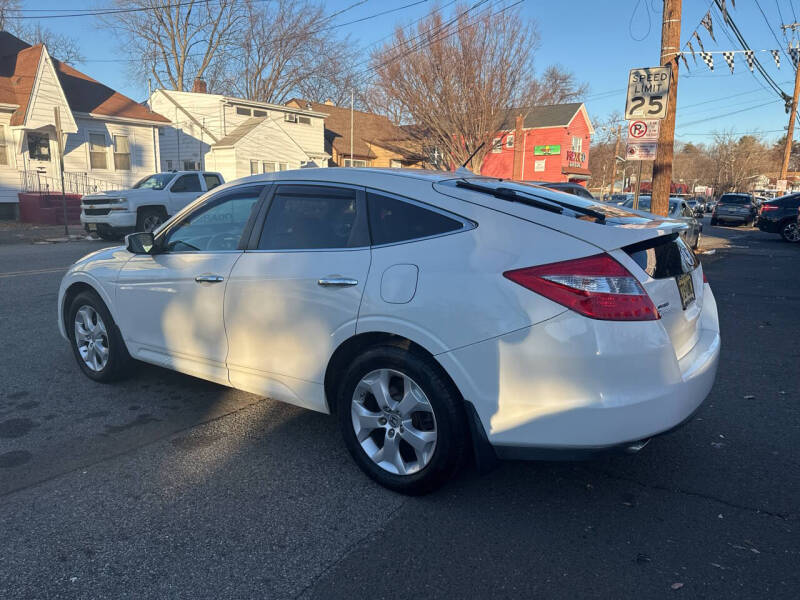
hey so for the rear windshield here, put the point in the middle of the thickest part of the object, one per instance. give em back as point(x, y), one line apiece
point(735, 199)
point(663, 257)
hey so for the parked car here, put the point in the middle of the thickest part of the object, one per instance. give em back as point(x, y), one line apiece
point(620, 199)
point(780, 216)
point(679, 210)
point(735, 208)
point(435, 314)
point(570, 188)
point(145, 206)
point(697, 207)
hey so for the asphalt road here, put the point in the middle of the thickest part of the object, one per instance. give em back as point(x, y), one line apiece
point(166, 486)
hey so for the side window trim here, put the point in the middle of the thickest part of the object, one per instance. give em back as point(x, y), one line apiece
point(221, 195)
point(466, 224)
point(263, 212)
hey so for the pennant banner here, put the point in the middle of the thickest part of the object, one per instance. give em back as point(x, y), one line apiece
point(699, 41)
point(708, 58)
point(794, 53)
point(777, 57)
point(728, 56)
point(691, 49)
point(748, 56)
point(706, 22)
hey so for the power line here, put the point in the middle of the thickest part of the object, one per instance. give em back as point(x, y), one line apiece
point(771, 30)
point(735, 112)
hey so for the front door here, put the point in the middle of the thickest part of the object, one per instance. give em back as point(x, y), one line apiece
point(295, 296)
point(41, 160)
point(171, 303)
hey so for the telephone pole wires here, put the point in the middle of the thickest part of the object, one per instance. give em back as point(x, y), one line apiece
point(787, 149)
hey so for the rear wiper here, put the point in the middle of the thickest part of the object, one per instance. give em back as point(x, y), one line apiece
point(530, 199)
point(508, 194)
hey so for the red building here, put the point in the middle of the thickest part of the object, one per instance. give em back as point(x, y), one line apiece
point(542, 143)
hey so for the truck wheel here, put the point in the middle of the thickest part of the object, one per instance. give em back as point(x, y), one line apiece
point(150, 218)
point(109, 236)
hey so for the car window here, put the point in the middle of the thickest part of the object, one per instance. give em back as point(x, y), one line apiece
point(735, 199)
point(186, 183)
point(212, 180)
point(215, 225)
point(154, 182)
point(306, 217)
point(392, 220)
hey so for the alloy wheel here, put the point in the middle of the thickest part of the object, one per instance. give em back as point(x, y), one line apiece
point(791, 232)
point(151, 223)
point(91, 338)
point(393, 421)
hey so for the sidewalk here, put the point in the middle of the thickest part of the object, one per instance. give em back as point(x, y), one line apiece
point(14, 232)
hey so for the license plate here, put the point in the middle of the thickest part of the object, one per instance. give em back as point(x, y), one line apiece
point(92, 226)
point(686, 289)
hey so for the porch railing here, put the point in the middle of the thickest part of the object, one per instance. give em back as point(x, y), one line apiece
point(74, 183)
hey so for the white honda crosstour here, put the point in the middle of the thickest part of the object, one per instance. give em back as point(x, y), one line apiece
point(437, 314)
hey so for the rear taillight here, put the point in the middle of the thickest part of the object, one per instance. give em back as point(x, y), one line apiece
point(705, 279)
point(596, 286)
point(768, 207)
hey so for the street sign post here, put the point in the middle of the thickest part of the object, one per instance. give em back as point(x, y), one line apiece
point(637, 150)
point(648, 91)
point(643, 130)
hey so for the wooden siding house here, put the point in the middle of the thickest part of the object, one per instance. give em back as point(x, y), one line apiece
point(234, 136)
point(376, 141)
point(110, 141)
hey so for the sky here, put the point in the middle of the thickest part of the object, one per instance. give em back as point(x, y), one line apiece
point(598, 40)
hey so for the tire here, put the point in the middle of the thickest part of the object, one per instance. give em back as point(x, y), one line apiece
point(109, 236)
point(96, 329)
point(438, 428)
point(149, 219)
point(790, 231)
point(713, 221)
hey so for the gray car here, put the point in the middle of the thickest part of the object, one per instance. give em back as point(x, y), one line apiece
point(680, 211)
point(735, 208)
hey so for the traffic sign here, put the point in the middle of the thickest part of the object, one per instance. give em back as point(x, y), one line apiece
point(648, 91)
point(641, 150)
point(643, 130)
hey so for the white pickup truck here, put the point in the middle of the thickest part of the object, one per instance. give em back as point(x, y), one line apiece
point(146, 205)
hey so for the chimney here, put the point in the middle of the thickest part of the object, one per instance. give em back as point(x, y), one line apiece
point(517, 174)
point(199, 86)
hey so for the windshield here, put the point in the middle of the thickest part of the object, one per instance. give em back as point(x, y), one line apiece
point(154, 182)
point(735, 199)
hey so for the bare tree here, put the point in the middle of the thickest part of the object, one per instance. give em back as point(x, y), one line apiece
point(457, 79)
point(556, 86)
point(62, 47)
point(735, 163)
point(285, 49)
point(175, 41)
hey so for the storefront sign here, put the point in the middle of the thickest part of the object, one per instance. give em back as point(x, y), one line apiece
point(538, 165)
point(576, 159)
point(549, 150)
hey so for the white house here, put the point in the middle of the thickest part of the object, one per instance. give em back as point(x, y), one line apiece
point(109, 139)
point(234, 136)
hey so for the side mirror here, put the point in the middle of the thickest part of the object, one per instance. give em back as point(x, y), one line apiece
point(141, 242)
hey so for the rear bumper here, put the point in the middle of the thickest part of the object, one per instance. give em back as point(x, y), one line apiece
point(768, 225)
point(733, 218)
point(573, 386)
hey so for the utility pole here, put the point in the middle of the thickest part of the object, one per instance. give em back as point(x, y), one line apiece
point(787, 149)
point(614, 160)
point(662, 167)
point(352, 102)
point(60, 141)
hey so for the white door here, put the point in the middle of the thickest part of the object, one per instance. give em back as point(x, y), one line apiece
point(295, 297)
point(170, 303)
point(183, 191)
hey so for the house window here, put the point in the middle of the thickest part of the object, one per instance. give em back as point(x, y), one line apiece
point(497, 145)
point(253, 167)
point(304, 120)
point(354, 162)
point(97, 151)
point(259, 113)
point(169, 165)
point(510, 141)
point(283, 166)
point(395, 164)
point(290, 118)
point(577, 144)
point(268, 167)
point(240, 110)
point(3, 147)
point(122, 153)
point(191, 165)
point(38, 146)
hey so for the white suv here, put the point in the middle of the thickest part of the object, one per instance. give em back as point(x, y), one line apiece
point(145, 206)
point(432, 312)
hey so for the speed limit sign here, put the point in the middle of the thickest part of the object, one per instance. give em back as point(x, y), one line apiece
point(648, 91)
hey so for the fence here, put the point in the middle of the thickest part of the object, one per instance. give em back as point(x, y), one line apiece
point(74, 183)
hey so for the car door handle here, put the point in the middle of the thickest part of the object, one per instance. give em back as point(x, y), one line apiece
point(337, 282)
point(209, 278)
